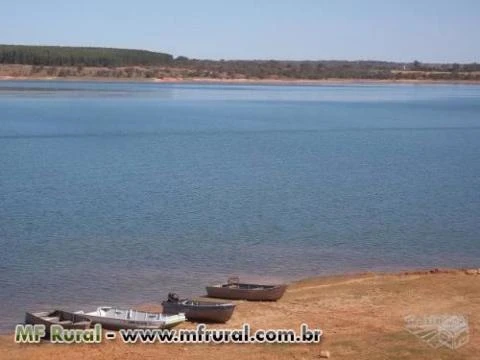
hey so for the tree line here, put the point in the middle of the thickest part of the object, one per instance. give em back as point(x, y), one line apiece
point(79, 56)
point(315, 70)
point(111, 62)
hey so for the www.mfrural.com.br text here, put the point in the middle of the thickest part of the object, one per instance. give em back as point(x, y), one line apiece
point(201, 334)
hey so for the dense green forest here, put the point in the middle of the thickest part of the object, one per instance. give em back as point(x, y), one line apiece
point(79, 56)
point(124, 63)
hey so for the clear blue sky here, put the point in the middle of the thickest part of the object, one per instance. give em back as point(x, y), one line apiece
point(426, 30)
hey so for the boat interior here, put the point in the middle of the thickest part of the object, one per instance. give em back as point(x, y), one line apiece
point(61, 318)
point(174, 298)
point(204, 303)
point(247, 286)
point(124, 314)
point(234, 283)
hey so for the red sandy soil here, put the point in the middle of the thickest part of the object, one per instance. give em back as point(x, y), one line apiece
point(179, 75)
point(240, 81)
point(362, 316)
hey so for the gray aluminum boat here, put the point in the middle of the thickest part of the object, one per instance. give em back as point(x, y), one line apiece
point(114, 319)
point(198, 310)
point(236, 290)
point(67, 319)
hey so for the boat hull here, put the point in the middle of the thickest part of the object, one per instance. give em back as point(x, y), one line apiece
point(243, 292)
point(204, 312)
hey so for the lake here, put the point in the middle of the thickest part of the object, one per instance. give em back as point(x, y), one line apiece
point(118, 193)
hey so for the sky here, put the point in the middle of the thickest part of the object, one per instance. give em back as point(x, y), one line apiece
point(395, 30)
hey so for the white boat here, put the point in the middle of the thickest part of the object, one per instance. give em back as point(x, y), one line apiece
point(114, 319)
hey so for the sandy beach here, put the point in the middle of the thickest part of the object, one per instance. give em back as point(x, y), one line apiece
point(239, 81)
point(362, 317)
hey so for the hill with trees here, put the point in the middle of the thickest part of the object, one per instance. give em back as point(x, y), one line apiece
point(79, 56)
point(94, 62)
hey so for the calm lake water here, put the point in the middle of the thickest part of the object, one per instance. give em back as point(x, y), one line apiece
point(117, 193)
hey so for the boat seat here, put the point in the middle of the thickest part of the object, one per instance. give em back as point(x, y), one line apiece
point(82, 323)
point(52, 319)
point(65, 322)
point(42, 314)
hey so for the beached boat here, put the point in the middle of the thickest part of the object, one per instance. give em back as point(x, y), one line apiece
point(198, 310)
point(242, 291)
point(114, 319)
point(67, 319)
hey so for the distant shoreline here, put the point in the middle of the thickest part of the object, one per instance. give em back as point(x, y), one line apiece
point(115, 64)
point(241, 81)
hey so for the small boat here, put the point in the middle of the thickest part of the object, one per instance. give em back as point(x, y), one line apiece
point(114, 319)
point(67, 319)
point(198, 310)
point(241, 291)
